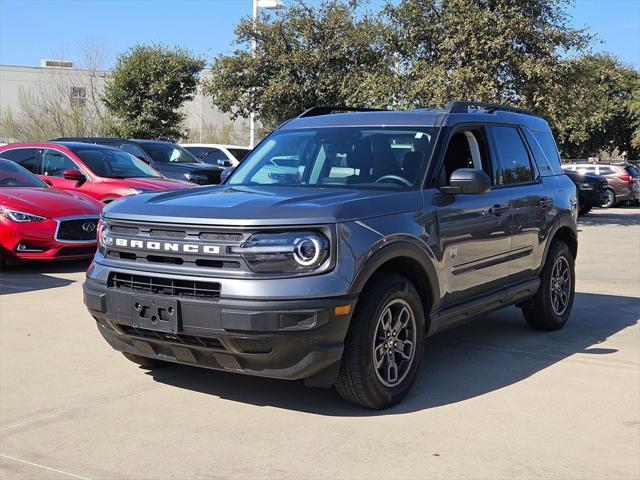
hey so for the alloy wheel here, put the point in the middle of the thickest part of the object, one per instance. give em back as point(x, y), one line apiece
point(560, 286)
point(394, 342)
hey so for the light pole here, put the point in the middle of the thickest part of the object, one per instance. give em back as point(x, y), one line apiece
point(269, 4)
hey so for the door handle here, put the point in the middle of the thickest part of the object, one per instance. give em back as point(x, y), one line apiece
point(498, 210)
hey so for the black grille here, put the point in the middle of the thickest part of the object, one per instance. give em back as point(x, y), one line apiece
point(81, 230)
point(194, 340)
point(163, 286)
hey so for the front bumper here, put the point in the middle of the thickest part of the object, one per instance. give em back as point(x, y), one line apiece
point(36, 241)
point(288, 339)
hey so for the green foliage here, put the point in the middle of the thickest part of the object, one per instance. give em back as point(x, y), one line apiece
point(422, 53)
point(595, 108)
point(148, 87)
point(306, 56)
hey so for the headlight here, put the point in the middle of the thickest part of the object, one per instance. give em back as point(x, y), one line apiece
point(104, 237)
point(586, 186)
point(285, 252)
point(20, 217)
point(195, 177)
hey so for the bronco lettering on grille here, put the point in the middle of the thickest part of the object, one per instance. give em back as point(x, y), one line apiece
point(167, 246)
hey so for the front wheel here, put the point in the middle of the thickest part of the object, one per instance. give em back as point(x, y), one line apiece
point(551, 307)
point(384, 346)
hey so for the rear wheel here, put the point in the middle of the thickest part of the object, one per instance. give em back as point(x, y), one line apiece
point(551, 307)
point(384, 346)
point(145, 362)
point(609, 198)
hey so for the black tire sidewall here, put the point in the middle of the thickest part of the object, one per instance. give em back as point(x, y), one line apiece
point(386, 289)
point(549, 320)
point(612, 203)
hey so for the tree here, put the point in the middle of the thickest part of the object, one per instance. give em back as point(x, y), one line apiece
point(305, 56)
point(423, 53)
point(489, 50)
point(595, 107)
point(148, 87)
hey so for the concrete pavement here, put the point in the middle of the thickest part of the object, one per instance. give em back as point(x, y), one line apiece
point(493, 399)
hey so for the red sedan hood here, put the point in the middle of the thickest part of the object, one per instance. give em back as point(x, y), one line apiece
point(155, 183)
point(49, 202)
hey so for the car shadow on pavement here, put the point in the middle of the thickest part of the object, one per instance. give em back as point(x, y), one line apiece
point(484, 355)
point(619, 216)
point(31, 276)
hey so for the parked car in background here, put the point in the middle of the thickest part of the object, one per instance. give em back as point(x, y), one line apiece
point(104, 173)
point(222, 155)
point(38, 222)
point(592, 190)
point(623, 180)
point(169, 158)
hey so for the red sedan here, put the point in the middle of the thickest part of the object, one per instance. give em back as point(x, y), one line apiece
point(43, 223)
point(105, 173)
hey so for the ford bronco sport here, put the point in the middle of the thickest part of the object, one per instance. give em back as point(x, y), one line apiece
point(339, 244)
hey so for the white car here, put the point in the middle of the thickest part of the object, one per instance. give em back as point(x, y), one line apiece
point(222, 155)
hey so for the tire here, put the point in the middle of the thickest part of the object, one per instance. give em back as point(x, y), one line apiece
point(145, 362)
point(547, 310)
point(584, 210)
point(388, 298)
point(610, 199)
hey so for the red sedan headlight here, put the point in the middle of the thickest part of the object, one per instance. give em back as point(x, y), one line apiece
point(20, 217)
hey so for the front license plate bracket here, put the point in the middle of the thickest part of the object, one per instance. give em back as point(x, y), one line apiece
point(153, 313)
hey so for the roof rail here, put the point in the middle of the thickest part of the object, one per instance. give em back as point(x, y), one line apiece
point(463, 107)
point(317, 111)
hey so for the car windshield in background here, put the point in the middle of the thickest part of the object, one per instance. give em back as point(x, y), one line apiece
point(239, 153)
point(12, 175)
point(114, 163)
point(355, 157)
point(167, 153)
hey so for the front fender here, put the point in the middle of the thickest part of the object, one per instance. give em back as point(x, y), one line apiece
point(398, 249)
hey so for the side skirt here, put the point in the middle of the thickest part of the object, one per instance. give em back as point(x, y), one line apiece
point(457, 314)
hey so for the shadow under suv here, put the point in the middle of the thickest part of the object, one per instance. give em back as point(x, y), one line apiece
point(339, 244)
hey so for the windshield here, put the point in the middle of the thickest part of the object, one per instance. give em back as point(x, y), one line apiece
point(353, 157)
point(239, 153)
point(168, 153)
point(114, 163)
point(12, 175)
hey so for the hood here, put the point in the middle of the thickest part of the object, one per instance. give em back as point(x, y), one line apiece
point(49, 202)
point(263, 205)
point(152, 183)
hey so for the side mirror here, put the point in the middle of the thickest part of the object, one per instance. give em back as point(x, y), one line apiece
point(73, 174)
point(225, 174)
point(48, 182)
point(139, 157)
point(223, 163)
point(468, 180)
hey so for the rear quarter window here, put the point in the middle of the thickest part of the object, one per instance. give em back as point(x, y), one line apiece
point(545, 152)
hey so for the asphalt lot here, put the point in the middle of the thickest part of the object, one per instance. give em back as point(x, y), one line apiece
point(493, 400)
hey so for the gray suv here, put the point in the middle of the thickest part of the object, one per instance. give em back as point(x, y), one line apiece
point(339, 244)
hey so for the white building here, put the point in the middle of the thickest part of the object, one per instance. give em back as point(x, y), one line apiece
point(69, 85)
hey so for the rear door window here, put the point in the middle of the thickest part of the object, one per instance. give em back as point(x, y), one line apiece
point(515, 164)
point(25, 157)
